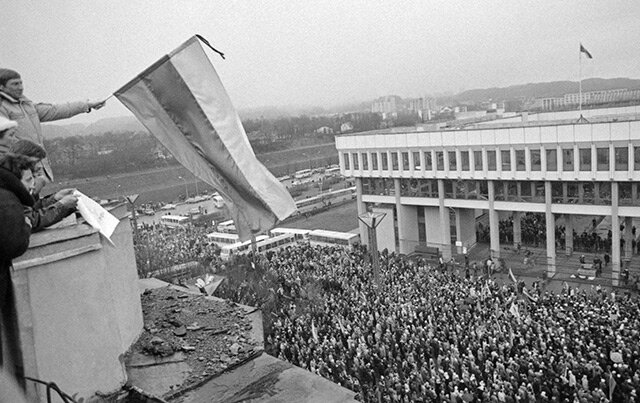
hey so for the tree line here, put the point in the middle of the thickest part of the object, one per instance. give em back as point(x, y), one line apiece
point(116, 152)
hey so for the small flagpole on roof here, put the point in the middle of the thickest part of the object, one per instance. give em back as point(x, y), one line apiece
point(580, 79)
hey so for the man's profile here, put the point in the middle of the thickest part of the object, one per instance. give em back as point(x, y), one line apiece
point(15, 106)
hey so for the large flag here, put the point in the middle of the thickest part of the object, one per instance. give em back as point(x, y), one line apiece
point(182, 102)
point(585, 51)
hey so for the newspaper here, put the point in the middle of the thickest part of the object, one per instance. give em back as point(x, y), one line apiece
point(96, 215)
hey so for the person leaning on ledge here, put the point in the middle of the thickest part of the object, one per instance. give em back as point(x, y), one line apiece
point(15, 106)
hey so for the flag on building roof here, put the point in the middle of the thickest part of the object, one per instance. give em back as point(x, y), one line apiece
point(585, 51)
point(182, 102)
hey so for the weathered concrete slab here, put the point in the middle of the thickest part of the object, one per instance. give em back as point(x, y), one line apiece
point(267, 379)
point(158, 379)
point(150, 284)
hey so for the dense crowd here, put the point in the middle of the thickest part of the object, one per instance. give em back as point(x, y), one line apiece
point(158, 248)
point(426, 335)
point(533, 233)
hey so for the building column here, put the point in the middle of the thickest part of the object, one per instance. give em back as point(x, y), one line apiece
point(568, 234)
point(580, 193)
point(445, 223)
point(494, 222)
point(399, 212)
point(360, 206)
point(615, 236)
point(466, 227)
point(408, 228)
point(517, 228)
point(628, 237)
point(550, 224)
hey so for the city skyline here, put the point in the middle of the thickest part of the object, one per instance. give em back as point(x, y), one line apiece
point(318, 53)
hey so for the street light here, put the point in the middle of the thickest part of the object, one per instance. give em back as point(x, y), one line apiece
point(372, 219)
point(186, 190)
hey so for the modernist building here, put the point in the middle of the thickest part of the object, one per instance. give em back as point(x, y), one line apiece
point(434, 184)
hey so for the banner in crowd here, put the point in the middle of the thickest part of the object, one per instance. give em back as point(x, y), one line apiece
point(182, 102)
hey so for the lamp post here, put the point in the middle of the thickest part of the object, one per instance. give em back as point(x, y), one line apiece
point(372, 220)
point(186, 189)
point(131, 199)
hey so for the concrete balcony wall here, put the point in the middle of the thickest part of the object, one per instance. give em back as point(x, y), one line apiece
point(78, 309)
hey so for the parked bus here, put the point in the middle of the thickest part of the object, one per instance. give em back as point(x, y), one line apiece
point(324, 238)
point(174, 221)
point(239, 248)
point(332, 171)
point(299, 234)
point(221, 238)
point(276, 243)
point(227, 227)
point(325, 199)
point(303, 173)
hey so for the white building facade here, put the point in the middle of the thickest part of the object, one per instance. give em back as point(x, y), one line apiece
point(434, 184)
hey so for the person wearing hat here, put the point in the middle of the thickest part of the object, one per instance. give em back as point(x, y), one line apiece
point(7, 133)
point(28, 115)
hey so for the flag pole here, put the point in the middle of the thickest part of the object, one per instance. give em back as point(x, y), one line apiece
point(580, 80)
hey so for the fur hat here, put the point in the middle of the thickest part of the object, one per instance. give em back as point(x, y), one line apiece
point(6, 124)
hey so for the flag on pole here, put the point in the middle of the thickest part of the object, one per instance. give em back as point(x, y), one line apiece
point(529, 296)
point(612, 385)
point(512, 276)
point(514, 311)
point(314, 332)
point(182, 102)
point(585, 51)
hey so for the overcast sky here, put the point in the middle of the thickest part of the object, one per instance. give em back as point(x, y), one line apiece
point(317, 52)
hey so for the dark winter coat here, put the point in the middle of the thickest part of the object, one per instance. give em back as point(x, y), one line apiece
point(15, 229)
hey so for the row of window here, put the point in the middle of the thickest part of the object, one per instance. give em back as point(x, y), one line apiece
point(509, 160)
point(594, 193)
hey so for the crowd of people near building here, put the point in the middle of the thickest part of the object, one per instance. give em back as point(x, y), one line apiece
point(533, 233)
point(158, 247)
point(427, 334)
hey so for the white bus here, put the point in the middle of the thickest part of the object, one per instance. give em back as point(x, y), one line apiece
point(221, 239)
point(325, 199)
point(227, 227)
point(276, 243)
point(303, 173)
point(239, 248)
point(299, 234)
point(324, 238)
point(174, 221)
point(332, 171)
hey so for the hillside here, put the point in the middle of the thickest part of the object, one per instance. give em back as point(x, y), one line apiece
point(514, 92)
point(542, 90)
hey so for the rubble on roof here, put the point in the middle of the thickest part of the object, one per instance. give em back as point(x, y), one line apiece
point(187, 340)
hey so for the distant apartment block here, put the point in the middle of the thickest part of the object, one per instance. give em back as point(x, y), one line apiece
point(588, 98)
point(420, 105)
point(386, 105)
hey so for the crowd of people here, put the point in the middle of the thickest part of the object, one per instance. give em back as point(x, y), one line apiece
point(158, 248)
point(427, 334)
point(533, 233)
